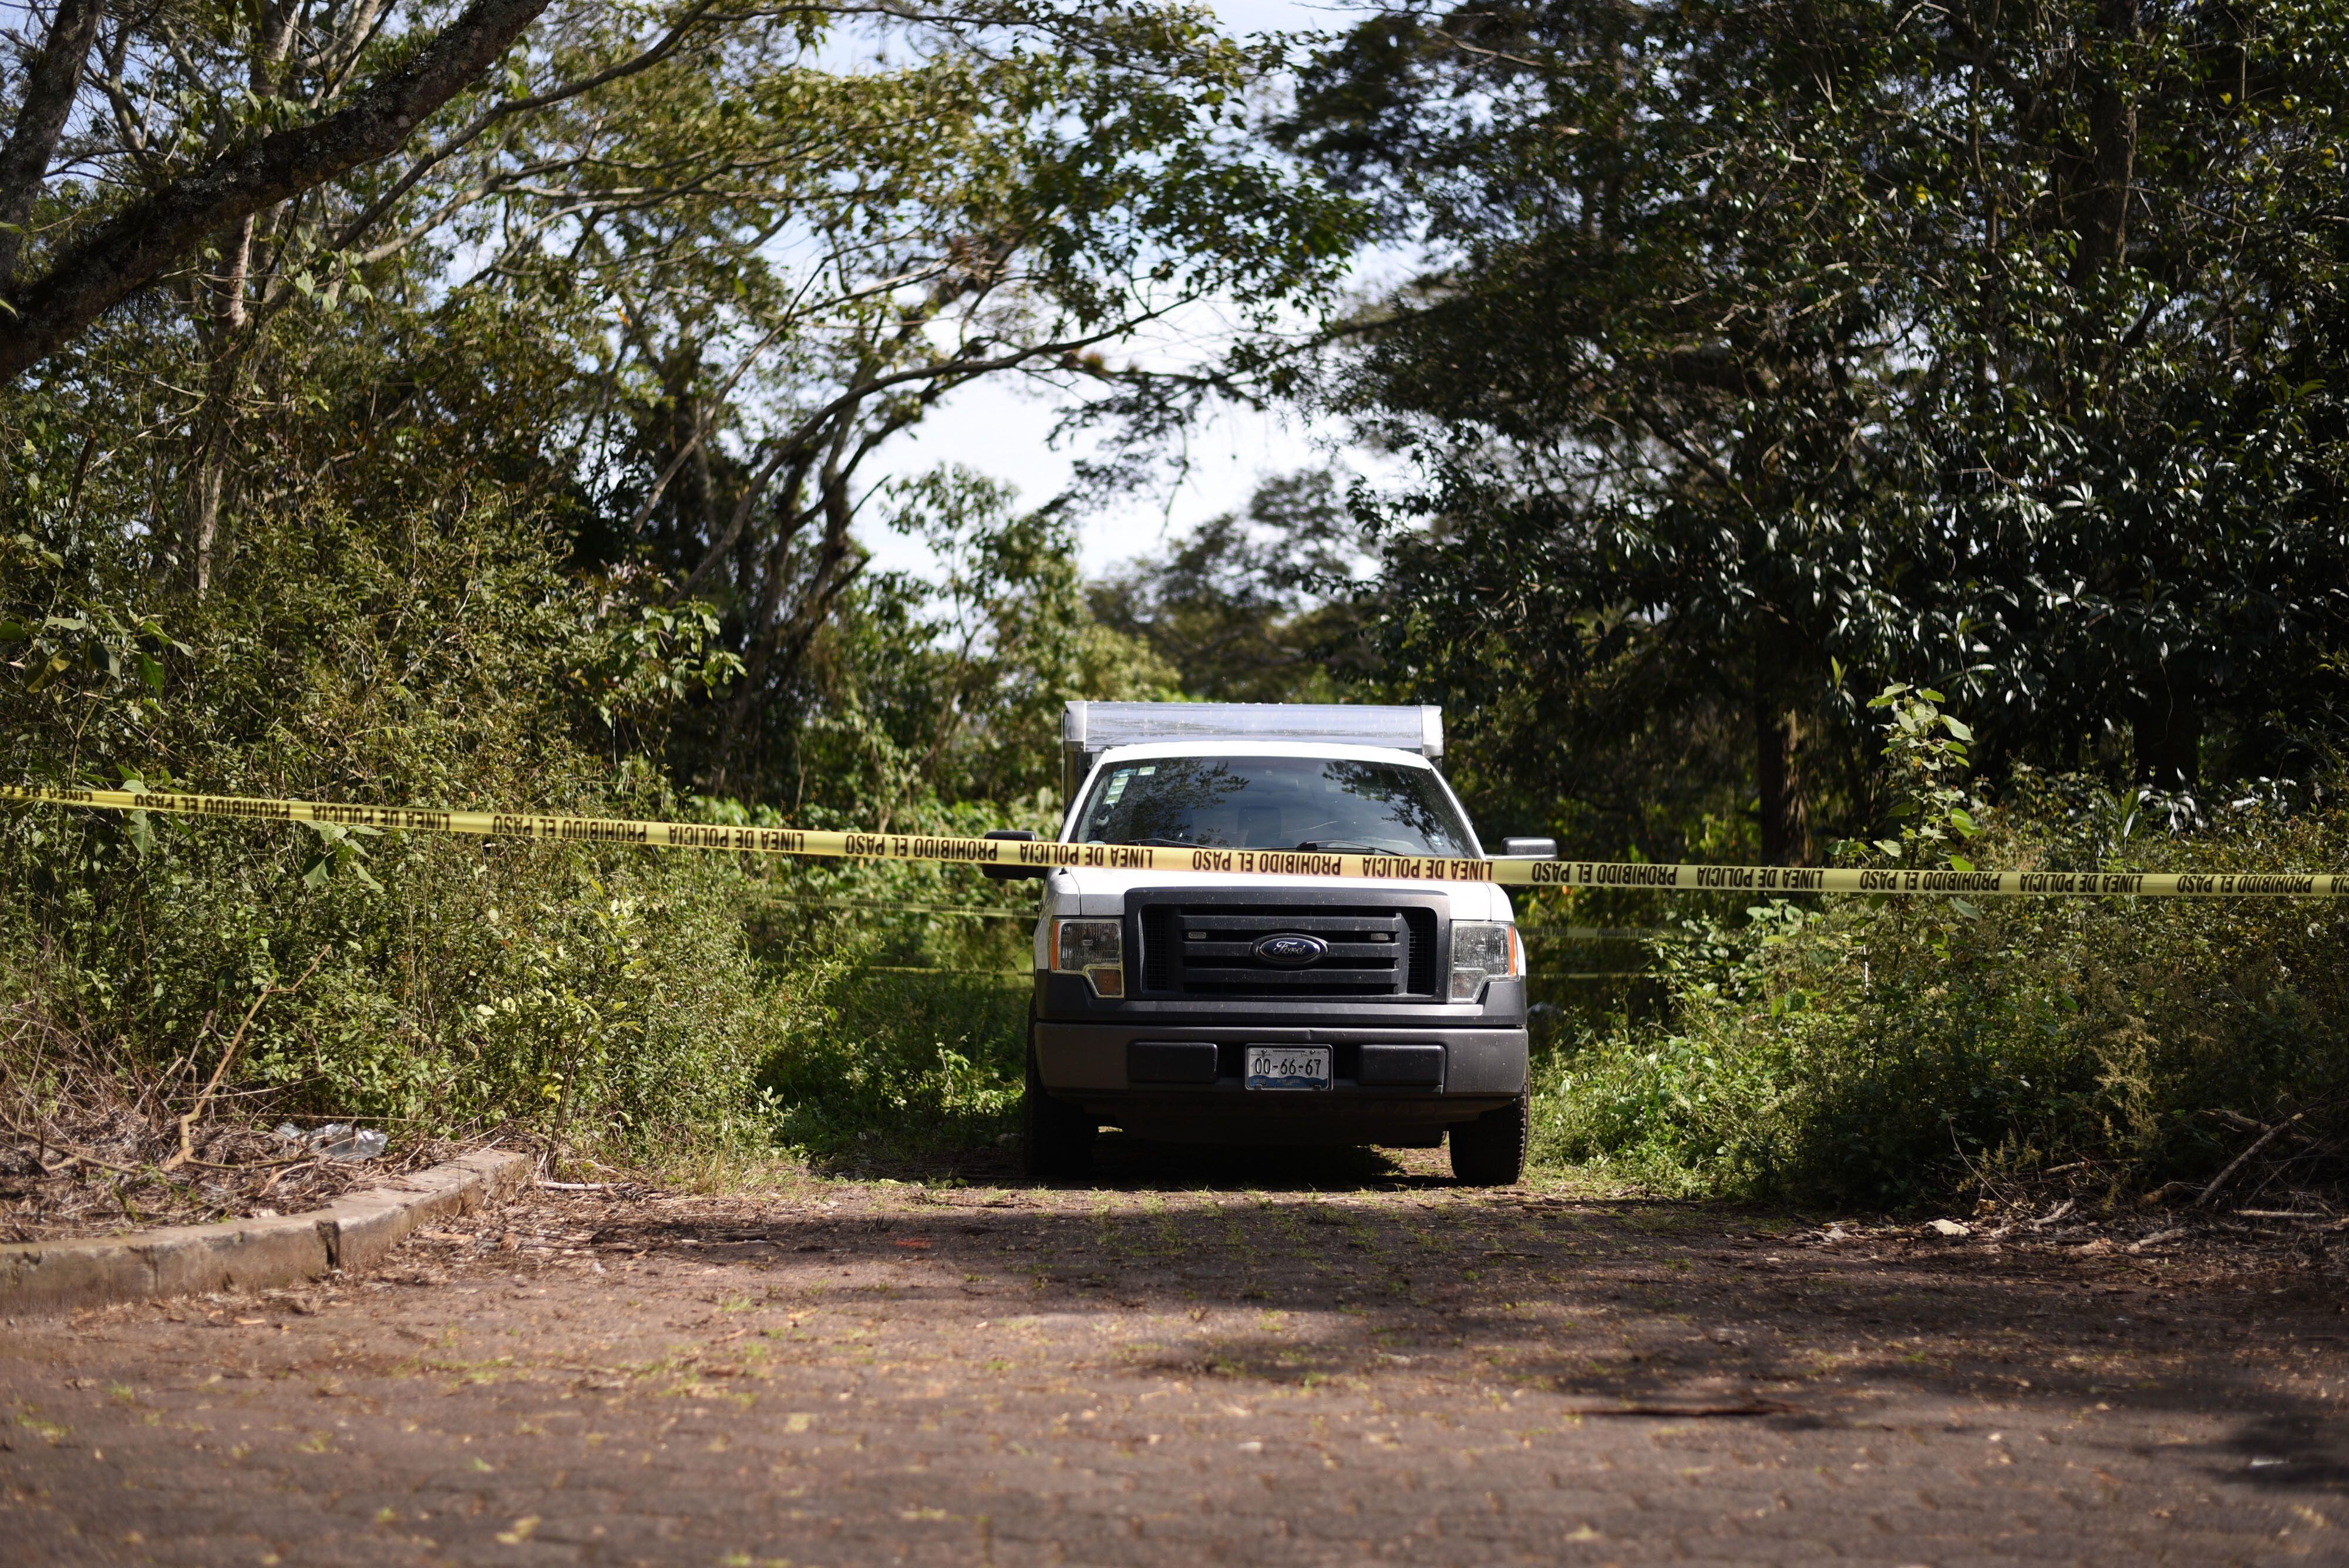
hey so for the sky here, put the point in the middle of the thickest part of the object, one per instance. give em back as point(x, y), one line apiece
point(1004, 430)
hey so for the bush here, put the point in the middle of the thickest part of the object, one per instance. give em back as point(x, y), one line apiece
point(908, 1026)
point(423, 650)
point(1896, 1051)
point(602, 998)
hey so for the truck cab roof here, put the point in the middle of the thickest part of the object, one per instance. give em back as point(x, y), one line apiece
point(1096, 890)
point(1300, 751)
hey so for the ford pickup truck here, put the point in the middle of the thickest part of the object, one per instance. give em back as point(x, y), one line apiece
point(1224, 1007)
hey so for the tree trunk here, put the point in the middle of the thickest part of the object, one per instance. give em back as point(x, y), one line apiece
point(224, 333)
point(205, 472)
point(2112, 152)
point(1778, 777)
point(228, 339)
point(52, 79)
point(738, 726)
point(207, 478)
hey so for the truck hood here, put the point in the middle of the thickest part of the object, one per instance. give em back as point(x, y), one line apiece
point(1072, 892)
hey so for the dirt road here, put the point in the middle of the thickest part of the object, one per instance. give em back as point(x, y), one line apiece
point(1286, 1365)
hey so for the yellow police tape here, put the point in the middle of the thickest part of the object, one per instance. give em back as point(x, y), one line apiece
point(1241, 862)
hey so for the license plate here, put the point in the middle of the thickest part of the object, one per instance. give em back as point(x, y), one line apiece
point(1288, 1066)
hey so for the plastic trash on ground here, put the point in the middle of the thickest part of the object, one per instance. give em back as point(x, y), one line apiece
point(335, 1140)
point(362, 1144)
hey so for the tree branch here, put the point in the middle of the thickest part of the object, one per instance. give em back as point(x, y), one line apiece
point(701, 428)
point(665, 47)
point(133, 248)
point(50, 90)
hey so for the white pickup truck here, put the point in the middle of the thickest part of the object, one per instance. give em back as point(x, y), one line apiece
point(1224, 1007)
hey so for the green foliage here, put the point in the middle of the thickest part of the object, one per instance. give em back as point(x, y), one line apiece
point(1900, 1051)
point(603, 1000)
point(638, 671)
point(1925, 761)
point(1758, 351)
point(908, 1026)
point(535, 473)
point(826, 254)
point(899, 1065)
point(608, 1000)
point(927, 689)
point(1255, 608)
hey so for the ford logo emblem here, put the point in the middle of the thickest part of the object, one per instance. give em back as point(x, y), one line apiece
point(1290, 950)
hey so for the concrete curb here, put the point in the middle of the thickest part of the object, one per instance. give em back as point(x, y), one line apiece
point(356, 1233)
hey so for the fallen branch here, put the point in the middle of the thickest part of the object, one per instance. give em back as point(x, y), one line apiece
point(75, 1156)
point(285, 1167)
point(2157, 1238)
point(2220, 1181)
point(44, 1142)
point(250, 1167)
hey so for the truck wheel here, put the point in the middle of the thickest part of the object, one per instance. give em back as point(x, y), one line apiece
point(1491, 1150)
point(1060, 1141)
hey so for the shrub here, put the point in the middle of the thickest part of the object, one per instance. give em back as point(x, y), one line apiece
point(603, 998)
point(1888, 1051)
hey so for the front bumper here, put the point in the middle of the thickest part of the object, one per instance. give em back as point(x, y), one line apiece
point(1391, 1083)
point(1165, 1062)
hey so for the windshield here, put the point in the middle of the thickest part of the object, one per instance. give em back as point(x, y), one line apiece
point(1274, 802)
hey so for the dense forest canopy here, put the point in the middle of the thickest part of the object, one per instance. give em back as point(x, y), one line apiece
point(1765, 353)
point(670, 278)
point(1826, 429)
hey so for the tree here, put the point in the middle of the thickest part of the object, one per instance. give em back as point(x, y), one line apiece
point(1254, 608)
point(716, 267)
point(925, 689)
point(230, 157)
point(1765, 353)
point(303, 123)
point(974, 214)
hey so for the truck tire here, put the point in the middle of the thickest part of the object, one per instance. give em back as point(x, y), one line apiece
point(1491, 1150)
point(1059, 1139)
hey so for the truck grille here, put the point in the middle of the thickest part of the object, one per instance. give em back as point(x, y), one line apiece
point(1209, 949)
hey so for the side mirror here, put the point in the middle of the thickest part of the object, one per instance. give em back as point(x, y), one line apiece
point(1528, 849)
point(1010, 873)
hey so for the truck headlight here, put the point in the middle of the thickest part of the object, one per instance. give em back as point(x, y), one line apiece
point(1481, 951)
point(1094, 949)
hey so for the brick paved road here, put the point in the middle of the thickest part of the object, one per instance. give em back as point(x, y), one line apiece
point(1255, 1372)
